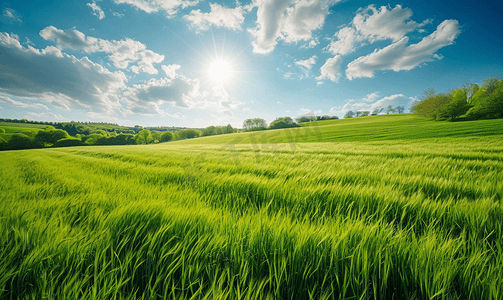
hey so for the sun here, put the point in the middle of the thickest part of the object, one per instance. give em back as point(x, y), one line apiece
point(220, 71)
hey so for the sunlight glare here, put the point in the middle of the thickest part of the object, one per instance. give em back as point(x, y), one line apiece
point(220, 71)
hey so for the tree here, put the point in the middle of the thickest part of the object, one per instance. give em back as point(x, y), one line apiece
point(254, 124)
point(285, 122)
point(50, 135)
point(431, 104)
point(400, 109)
point(167, 136)
point(156, 135)
point(68, 142)
point(210, 130)
point(349, 114)
point(389, 109)
point(304, 119)
point(487, 101)
point(143, 137)
point(21, 141)
point(365, 113)
point(457, 106)
point(188, 133)
point(229, 129)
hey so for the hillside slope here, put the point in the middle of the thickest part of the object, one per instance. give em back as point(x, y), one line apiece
point(363, 129)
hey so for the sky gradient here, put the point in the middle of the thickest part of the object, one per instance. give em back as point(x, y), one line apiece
point(194, 63)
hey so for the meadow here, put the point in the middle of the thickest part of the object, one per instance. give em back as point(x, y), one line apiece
point(385, 207)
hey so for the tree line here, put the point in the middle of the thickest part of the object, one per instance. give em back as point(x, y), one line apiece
point(389, 109)
point(54, 137)
point(469, 102)
point(256, 124)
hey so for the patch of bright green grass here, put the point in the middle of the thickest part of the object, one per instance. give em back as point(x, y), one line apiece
point(399, 217)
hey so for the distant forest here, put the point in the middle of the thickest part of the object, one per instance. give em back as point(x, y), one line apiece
point(87, 134)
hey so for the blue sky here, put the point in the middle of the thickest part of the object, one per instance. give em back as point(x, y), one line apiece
point(195, 63)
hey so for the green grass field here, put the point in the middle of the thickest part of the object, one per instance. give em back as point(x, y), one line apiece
point(21, 127)
point(24, 128)
point(387, 207)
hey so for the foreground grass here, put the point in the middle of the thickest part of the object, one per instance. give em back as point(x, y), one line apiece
point(382, 219)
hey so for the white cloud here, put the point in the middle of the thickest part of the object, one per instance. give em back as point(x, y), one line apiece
point(288, 75)
point(118, 15)
point(393, 100)
point(177, 115)
point(146, 98)
point(7, 100)
point(399, 56)
point(47, 116)
point(308, 63)
point(71, 39)
point(287, 20)
point(97, 11)
point(331, 69)
point(170, 70)
point(219, 16)
point(169, 6)
point(371, 97)
point(123, 54)
point(312, 43)
point(385, 24)
point(347, 42)
point(61, 79)
point(221, 101)
point(371, 103)
point(11, 15)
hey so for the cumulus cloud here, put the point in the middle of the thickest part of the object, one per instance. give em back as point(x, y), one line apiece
point(308, 63)
point(331, 69)
point(170, 7)
point(71, 39)
point(170, 70)
point(393, 100)
point(371, 97)
point(384, 24)
point(287, 20)
point(97, 11)
point(371, 25)
point(398, 56)
point(124, 54)
point(347, 41)
point(219, 16)
point(146, 98)
point(371, 103)
point(61, 79)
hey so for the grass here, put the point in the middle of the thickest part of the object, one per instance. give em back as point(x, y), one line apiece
point(359, 215)
point(24, 128)
point(21, 127)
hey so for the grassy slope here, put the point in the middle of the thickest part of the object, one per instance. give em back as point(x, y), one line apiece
point(20, 128)
point(395, 218)
point(393, 127)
